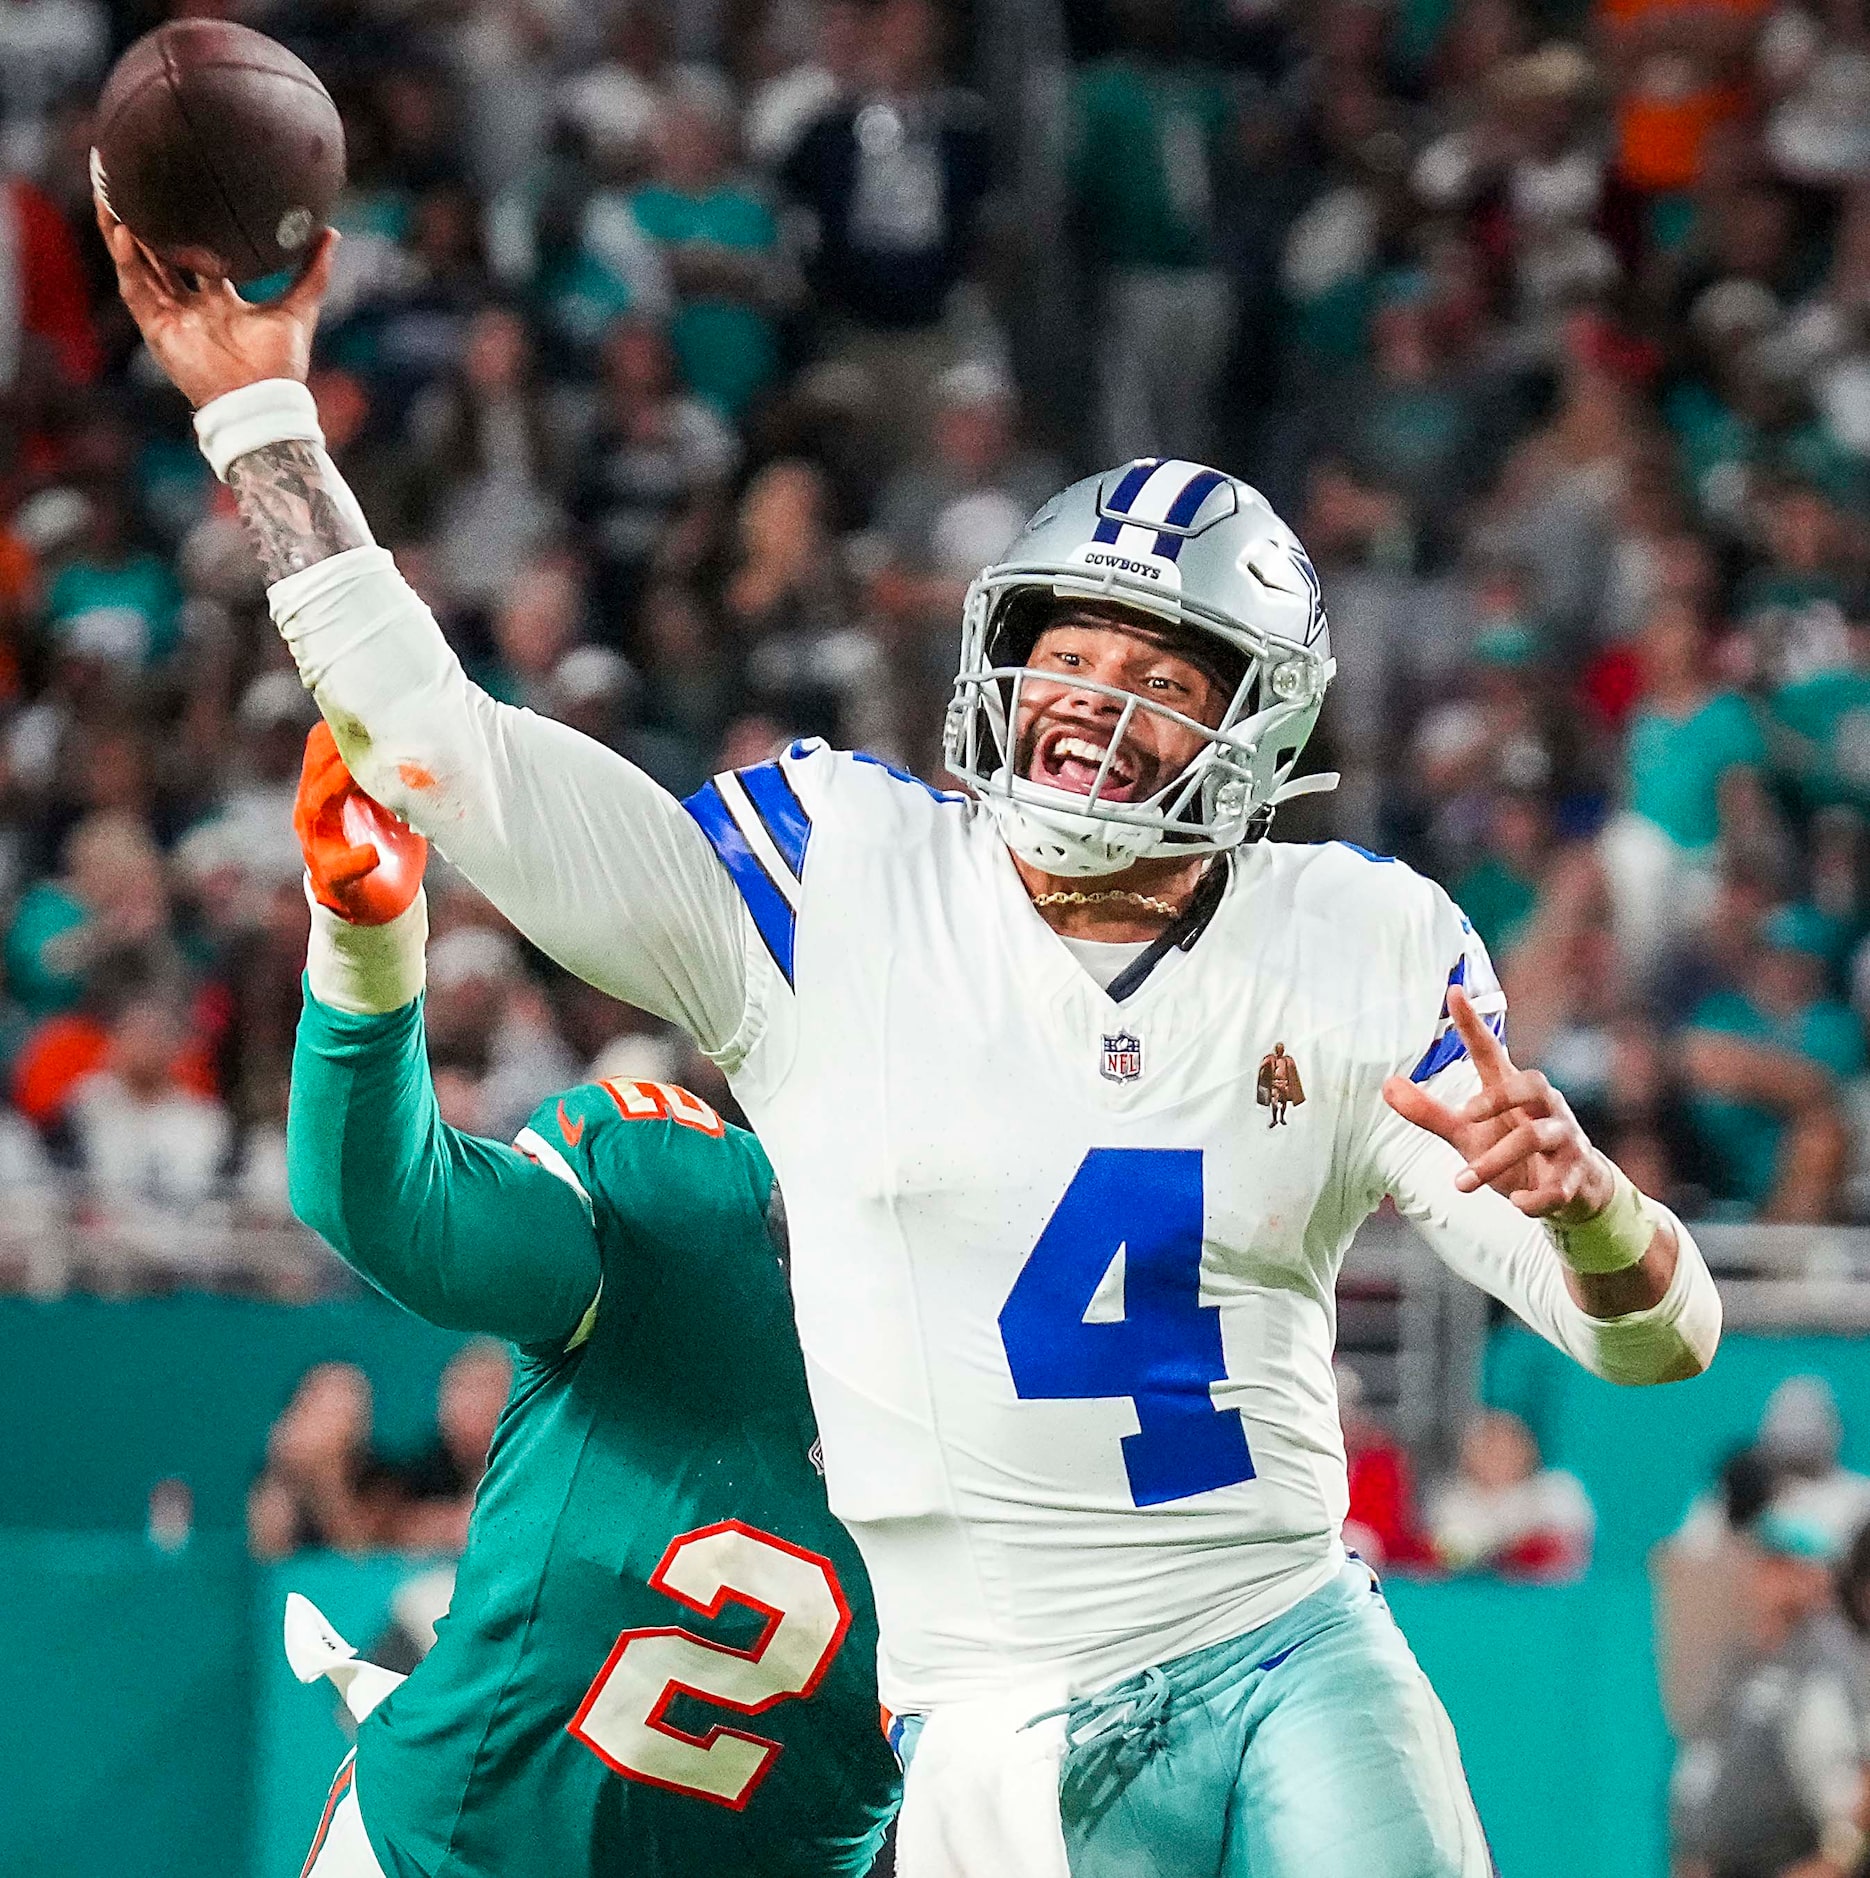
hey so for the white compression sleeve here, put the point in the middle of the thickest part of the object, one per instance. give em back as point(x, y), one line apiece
point(1487, 1240)
point(590, 858)
point(367, 970)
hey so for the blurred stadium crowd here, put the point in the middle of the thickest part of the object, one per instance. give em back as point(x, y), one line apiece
point(693, 356)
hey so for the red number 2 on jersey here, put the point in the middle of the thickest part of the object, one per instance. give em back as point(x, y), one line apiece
point(621, 1717)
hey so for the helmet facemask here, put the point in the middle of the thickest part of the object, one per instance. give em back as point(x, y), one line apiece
point(1220, 797)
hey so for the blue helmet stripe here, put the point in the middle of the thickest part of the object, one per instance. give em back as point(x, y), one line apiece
point(773, 917)
point(1185, 508)
point(1122, 496)
point(782, 812)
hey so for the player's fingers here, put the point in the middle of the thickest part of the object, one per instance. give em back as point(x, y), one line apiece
point(1414, 1104)
point(306, 294)
point(1526, 1089)
point(1488, 1052)
point(1548, 1196)
point(1529, 1138)
point(167, 282)
point(135, 279)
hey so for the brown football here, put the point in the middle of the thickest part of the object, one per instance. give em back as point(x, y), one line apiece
point(219, 148)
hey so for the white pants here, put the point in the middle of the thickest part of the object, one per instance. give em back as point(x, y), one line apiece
point(341, 1848)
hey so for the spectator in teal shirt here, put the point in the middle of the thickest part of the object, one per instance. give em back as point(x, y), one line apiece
point(112, 599)
point(721, 245)
point(1765, 1062)
point(1820, 722)
point(111, 902)
point(1692, 768)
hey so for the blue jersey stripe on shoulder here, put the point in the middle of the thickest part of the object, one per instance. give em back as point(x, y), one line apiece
point(1448, 1048)
point(1382, 860)
point(776, 921)
point(1185, 508)
point(1122, 496)
point(779, 808)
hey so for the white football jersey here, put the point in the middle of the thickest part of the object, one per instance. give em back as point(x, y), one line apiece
point(1063, 1256)
point(1064, 1262)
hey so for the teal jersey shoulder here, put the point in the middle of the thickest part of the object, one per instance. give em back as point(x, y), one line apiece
point(611, 1693)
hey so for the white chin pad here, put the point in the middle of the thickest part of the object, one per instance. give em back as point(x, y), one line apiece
point(1066, 841)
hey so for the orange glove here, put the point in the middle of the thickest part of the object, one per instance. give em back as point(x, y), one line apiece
point(364, 863)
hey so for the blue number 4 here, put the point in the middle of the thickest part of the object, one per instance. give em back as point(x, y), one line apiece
point(1165, 1350)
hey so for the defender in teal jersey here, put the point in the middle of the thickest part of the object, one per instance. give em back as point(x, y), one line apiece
point(659, 1660)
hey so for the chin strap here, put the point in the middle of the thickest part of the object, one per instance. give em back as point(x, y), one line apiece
point(1315, 785)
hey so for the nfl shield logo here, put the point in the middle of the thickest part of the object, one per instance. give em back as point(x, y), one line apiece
point(1123, 1057)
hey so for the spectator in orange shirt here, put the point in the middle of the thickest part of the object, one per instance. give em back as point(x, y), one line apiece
point(1682, 69)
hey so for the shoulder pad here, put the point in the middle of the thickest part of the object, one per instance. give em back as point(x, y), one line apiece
point(1385, 894)
point(762, 820)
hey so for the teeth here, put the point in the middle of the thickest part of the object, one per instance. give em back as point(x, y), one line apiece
point(1081, 747)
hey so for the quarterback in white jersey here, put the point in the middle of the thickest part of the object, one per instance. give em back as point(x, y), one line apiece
point(1078, 1088)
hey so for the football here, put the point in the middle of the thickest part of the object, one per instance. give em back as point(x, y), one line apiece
point(219, 149)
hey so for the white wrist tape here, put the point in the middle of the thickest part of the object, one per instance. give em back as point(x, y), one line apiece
point(1617, 1238)
point(367, 971)
point(274, 410)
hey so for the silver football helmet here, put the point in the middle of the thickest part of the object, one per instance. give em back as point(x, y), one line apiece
point(1205, 554)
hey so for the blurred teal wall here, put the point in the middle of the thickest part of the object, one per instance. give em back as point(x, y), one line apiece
point(1645, 1453)
point(100, 1399)
point(151, 1727)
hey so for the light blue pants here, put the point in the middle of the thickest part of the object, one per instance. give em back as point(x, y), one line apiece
point(1312, 1747)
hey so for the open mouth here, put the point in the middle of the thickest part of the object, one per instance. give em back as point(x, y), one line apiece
point(1071, 759)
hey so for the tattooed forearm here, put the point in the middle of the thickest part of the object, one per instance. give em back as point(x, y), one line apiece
point(281, 494)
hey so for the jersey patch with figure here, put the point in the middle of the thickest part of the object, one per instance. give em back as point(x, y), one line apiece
point(1278, 1087)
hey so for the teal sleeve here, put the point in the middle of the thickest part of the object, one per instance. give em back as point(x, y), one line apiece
point(1745, 741)
point(465, 1232)
point(1834, 1038)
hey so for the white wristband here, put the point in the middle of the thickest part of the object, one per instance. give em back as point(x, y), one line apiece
point(274, 410)
point(367, 971)
point(1616, 1238)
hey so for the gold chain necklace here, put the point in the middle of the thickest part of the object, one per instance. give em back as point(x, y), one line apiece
point(1147, 901)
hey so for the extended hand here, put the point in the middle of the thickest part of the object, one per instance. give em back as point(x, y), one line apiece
point(364, 863)
point(206, 337)
point(1517, 1136)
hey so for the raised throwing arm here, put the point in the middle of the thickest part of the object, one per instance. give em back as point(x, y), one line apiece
point(589, 857)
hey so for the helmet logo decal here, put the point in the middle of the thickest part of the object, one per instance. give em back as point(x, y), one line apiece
point(1162, 499)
